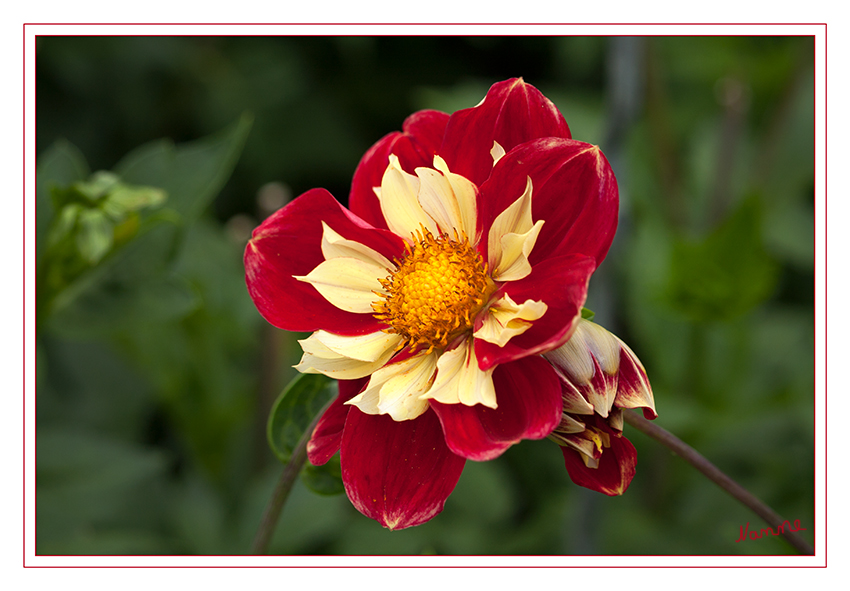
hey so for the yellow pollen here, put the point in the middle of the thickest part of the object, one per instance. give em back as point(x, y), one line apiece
point(440, 285)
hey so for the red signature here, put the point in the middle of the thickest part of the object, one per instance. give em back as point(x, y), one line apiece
point(756, 535)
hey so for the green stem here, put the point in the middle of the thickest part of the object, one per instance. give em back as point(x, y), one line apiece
point(284, 487)
point(698, 461)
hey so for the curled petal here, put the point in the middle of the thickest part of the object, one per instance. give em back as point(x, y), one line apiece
point(576, 357)
point(460, 381)
point(497, 152)
point(514, 250)
point(399, 473)
point(511, 239)
point(289, 243)
point(570, 425)
point(604, 369)
point(634, 390)
point(562, 284)
point(415, 146)
point(529, 408)
point(574, 402)
point(512, 113)
point(591, 361)
point(505, 319)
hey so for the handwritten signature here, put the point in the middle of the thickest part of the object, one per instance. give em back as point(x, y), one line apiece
point(756, 535)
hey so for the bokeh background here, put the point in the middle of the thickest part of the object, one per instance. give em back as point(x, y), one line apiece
point(155, 373)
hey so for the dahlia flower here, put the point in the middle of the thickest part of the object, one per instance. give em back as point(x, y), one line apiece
point(464, 255)
point(600, 376)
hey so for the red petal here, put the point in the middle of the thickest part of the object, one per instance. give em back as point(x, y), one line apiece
point(601, 390)
point(529, 397)
point(398, 473)
point(561, 283)
point(415, 146)
point(512, 113)
point(574, 191)
point(615, 471)
point(327, 435)
point(289, 243)
point(634, 390)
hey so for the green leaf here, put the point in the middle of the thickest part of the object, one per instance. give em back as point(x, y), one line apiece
point(291, 415)
point(94, 237)
point(122, 274)
point(64, 226)
point(294, 410)
point(587, 313)
point(93, 190)
point(193, 173)
point(127, 199)
point(61, 165)
point(325, 479)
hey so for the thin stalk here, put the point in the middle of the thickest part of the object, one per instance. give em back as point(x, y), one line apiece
point(284, 487)
point(698, 461)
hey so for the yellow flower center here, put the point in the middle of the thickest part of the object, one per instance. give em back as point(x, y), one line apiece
point(439, 287)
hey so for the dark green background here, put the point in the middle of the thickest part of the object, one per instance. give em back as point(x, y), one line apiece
point(151, 424)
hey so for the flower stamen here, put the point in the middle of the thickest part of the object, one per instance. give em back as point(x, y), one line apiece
point(439, 287)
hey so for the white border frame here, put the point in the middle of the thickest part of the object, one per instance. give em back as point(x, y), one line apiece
point(30, 559)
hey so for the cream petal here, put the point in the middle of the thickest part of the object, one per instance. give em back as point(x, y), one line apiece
point(515, 218)
point(368, 347)
point(590, 462)
point(437, 199)
point(394, 389)
point(400, 203)
point(634, 390)
point(604, 345)
point(573, 358)
point(449, 199)
point(615, 419)
point(497, 151)
point(347, 283)
point(313, 346)
point(400, 395)
point(591, 346)
point(466, 196)
point(367, 400)
point(505, 319)
point(585, 447)
point(507, 254)
point(335, 246)
point(318, 358)
point(460, 381)
point(569, 424)
point(514, 263)
point(574, 402)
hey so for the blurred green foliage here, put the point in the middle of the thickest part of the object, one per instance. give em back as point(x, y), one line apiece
point(156, 375)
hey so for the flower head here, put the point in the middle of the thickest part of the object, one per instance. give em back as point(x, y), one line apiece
point(465, 255)
point(600, 376)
